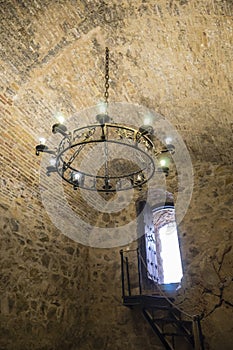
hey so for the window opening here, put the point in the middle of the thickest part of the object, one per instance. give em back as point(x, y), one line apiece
point(162, 248)
point(169, 254)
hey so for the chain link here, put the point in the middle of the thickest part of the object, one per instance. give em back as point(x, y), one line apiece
point(106, 94)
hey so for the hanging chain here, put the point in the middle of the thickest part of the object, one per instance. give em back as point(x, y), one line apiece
point(106, 94)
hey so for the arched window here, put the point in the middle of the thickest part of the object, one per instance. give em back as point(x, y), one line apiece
point(167, 247)
point(159, 247)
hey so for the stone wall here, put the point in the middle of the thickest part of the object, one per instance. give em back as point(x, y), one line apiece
point(111, 325)
point(174, 57)
point(42, 278)
point(206, 244)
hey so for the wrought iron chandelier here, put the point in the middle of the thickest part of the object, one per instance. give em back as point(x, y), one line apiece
point(135, 169)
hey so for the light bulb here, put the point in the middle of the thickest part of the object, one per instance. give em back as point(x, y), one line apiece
point(102, 107)
point(148, 119)
point(60, 117)
point(76, 176)
point(52, 161)
point(162, 162)
point(42, 140)
point(168, 140)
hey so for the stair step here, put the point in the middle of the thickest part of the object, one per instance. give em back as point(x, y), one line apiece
point(158, 302)
point(173, 320)
point(171, 334)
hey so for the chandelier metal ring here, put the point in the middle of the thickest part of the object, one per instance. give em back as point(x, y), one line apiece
point(79, 178)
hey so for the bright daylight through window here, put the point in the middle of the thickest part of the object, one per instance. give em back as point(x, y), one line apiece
point(169, 263)
point(170, 254)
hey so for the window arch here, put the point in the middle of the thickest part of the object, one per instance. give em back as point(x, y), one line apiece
point(168, 255)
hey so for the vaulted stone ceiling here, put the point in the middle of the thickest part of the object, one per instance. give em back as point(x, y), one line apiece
point(173, 57)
